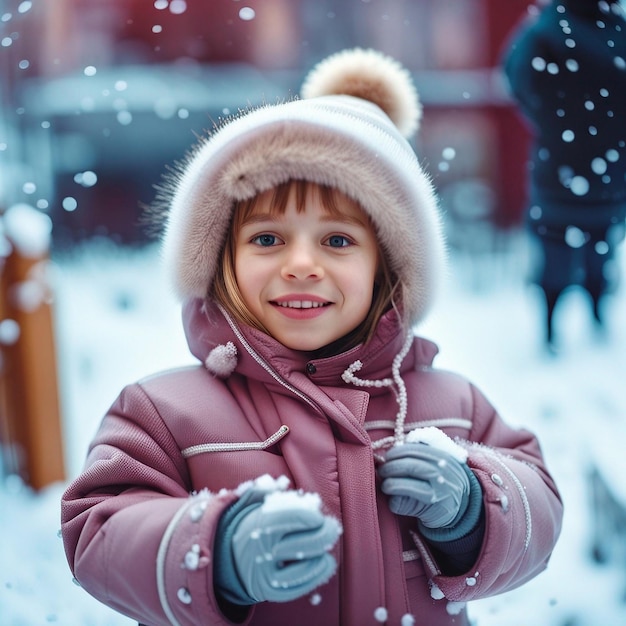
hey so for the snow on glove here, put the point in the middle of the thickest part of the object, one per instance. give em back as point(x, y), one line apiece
point(426, 482)
point(278, 545)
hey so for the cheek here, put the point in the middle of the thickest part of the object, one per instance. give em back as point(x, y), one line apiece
point(361, 282)
point(242, 274)
point(249, 274)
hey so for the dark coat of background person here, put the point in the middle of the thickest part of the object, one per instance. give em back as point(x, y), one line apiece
point(566, 69)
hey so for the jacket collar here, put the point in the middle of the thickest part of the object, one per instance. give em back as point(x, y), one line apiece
point(208, 328)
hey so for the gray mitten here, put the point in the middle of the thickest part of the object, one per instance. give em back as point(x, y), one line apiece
point(427, 483)
point(277, 548)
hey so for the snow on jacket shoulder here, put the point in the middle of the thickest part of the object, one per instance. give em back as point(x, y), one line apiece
point(139, 522)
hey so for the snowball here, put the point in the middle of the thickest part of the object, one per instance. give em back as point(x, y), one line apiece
point(438, 439)
point(264, 482)
point(407, 620)
point(315, 599)
point(28, 229)
point(281, 500)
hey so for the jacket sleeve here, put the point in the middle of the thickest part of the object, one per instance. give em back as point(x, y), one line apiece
point(134, 536)
point(523, 509)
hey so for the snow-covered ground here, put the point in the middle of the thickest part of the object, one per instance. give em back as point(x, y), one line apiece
point(117, 322)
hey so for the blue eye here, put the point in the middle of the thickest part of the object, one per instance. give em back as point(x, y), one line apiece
point(265, 240)
point(338, 241)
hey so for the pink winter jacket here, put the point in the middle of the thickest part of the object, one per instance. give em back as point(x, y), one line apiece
point(139, 522)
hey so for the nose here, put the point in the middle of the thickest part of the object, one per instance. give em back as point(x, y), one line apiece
point(301, 262)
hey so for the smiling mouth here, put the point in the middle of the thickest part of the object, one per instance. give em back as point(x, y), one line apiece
point(301, 304)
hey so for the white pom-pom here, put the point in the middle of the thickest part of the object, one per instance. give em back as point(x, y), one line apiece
point(222, 360)
point(372, 76)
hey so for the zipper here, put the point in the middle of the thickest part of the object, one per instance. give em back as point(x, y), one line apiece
point(266, 366)
point(424, 553)
point(411, 555)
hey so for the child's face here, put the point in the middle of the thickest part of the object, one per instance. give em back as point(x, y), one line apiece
point(308, 277)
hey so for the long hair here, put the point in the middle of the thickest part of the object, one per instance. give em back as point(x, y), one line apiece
point(226, 291)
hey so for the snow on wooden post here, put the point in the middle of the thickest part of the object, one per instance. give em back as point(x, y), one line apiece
point(29, 397)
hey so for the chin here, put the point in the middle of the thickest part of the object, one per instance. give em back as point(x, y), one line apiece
point(303, 346)
point(300, 347)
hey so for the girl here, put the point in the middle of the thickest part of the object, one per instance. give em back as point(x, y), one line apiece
point(315, 469)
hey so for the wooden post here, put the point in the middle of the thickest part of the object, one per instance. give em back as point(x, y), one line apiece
point(30, 417)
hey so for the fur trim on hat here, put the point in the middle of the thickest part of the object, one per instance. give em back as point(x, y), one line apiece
point(372, 76)
point(342, 141)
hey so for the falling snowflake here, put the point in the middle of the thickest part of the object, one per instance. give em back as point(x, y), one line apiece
point(380, 614)
point(579, 186)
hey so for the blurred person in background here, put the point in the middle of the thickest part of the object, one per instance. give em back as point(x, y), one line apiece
point(566, 67)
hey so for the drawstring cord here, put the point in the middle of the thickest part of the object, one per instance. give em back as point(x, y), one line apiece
point(400, 388)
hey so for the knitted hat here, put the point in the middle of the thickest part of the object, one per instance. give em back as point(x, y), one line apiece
point(347, 131)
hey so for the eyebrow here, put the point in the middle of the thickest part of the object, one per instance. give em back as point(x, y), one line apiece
point(268, 217)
